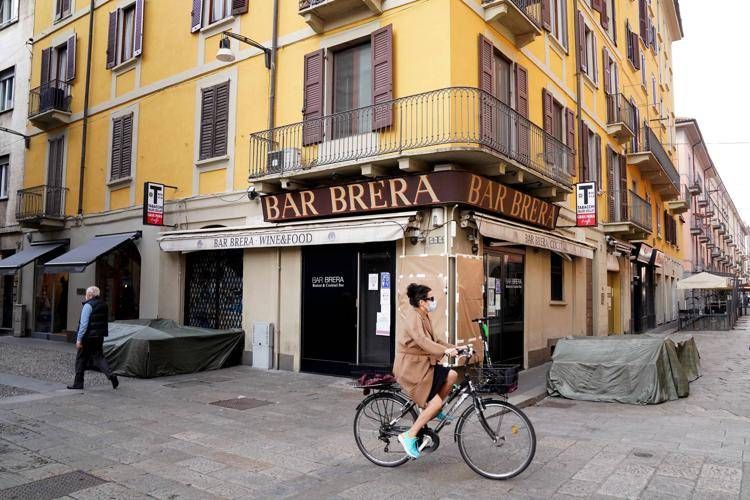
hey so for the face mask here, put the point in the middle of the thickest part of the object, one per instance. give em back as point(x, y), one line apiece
point(431, 306)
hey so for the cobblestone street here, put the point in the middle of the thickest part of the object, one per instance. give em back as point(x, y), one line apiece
point(164, 438)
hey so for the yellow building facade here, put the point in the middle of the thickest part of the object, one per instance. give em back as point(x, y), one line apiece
point(389, 141)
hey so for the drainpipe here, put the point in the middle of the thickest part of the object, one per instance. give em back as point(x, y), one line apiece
point(579, 114)
point(272, 76)
point(85, 108)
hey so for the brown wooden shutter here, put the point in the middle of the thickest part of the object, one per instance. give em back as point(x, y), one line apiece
point(138, 28)
point(623, 187)
point(127, 146)
point(598, 166)
point(603, 17)
point(46, 57)
point(546, 15)
point(643, 18)
point(636, 50)
point(611, 186)
point(597, 5)
point(312, 110)
point(196, 16)
point(583, 63)
point(381, 42)
point(70, 73)
point(221, 120)
point(584, 152)
point(607, 75)
point(487, 107)
point(522, 107)
point(116, 166)
point(570, 122)
point(112, 39)
point(547, 110)
point(239, 7)
point(208, 106)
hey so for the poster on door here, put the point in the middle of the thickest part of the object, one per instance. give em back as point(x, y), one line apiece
point(383, 318)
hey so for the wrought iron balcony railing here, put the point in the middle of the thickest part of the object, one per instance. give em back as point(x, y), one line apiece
point(621, 110)
point(463, 118)
point(646, 141)
point(50, 96)
point(41, 202)
point(531, 8)
point(627, 206)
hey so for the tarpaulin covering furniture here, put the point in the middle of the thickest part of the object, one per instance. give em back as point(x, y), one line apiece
point(156, 347)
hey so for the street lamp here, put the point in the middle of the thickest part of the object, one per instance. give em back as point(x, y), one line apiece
point(225, 53)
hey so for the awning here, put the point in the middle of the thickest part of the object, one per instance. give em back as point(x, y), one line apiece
point(16, 261)
point(704, 281)
point(322, 232)
point(78, 259)
point(507, 231)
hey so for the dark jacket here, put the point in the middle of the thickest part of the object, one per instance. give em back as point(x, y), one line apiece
point(99, 320)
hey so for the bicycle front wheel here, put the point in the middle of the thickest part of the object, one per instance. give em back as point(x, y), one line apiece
point(500, 448)
point(375, 431)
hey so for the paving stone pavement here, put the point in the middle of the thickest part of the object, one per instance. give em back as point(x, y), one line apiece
point(161, 438)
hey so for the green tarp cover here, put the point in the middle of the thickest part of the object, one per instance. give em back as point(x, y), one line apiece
point(625, 369)
point(687, 352)
point(156, 347)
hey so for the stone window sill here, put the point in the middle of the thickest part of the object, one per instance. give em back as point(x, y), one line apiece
point(118, 183)
point(558, 303)
point(125, 66)
point(209, 162)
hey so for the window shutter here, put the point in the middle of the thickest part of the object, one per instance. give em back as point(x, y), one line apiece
point(196, 16)
point(643, 17)
point(594, 70)
point(239, 7)
point(611, 195)
point(582, 43)
point(208, 105)
point(112, 39)
point(487, 107)
point(570, 122)
point(70, 73)
point(381, 42)
point(127, 146)
point(221, 120)
point(603, 17)
point(623, 187)
point(138, 27)
point(598, 165)
point(312, 110)
point(522, 107)
point(46, 56)
point(486, 74)
point(636, 50)
point(607, 74)
point(116, 166)
point(546, 15)
point(584, 152)
point(547, 117)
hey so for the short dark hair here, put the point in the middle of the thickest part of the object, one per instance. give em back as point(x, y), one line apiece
point(416, 293)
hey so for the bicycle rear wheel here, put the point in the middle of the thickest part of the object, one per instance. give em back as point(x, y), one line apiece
point(504, 455)
point(376, 438)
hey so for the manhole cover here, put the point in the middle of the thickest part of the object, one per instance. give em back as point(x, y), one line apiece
point(557, 404)
point(52, 487)
point(186, 383)
point(643, 454)
point(241, 403)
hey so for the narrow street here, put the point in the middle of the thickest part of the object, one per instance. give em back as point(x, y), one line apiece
point(289, 435)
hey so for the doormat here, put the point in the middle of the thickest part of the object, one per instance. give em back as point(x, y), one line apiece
point(241, 403)
point(52, 487)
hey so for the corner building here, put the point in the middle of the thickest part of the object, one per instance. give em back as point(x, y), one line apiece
point(389, 142)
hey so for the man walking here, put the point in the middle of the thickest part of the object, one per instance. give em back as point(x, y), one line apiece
point(92, 329)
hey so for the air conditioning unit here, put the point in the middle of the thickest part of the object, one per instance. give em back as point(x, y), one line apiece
point(284, 160)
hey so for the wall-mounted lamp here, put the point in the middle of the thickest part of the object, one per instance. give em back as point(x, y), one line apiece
point(225, 53)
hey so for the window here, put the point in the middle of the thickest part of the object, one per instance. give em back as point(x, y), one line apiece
point(352, 88)
point(208, 12)
point(122, 147)
point(62, 9)
point(654, 100)
point(214, 121)
point(595, 158)
point(218, 10)
point(556, 277)
point(558, 21)
point(634, 47)
point(6, 89)
point(125, 36)
point(643, 71)
point(4, 170)
point(8, 12)
point(126, 32)
point(589, 57)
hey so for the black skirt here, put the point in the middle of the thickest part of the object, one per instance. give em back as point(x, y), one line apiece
point(439, 375)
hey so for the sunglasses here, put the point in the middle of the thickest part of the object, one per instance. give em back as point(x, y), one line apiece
point(431, 299)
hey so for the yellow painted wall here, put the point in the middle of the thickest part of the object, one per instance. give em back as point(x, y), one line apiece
point(212, 182)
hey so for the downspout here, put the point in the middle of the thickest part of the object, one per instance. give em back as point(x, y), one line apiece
point(271, 125)
point(579, 115)
point(85, 109)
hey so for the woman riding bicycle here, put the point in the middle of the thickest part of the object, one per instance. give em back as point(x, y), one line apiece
point(416, 365)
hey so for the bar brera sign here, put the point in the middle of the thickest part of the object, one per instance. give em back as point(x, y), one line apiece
point(436, 188)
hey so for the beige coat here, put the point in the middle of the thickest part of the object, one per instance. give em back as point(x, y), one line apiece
point(417, 351)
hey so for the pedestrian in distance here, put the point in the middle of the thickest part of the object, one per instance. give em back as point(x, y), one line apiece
point(416, 366)
point(92, 328)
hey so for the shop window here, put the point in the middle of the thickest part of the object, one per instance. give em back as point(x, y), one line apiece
point(7, 78)
point(213, 289)
point(50, 296)
point(118, 276)
point(8, 12)
point(556, 277)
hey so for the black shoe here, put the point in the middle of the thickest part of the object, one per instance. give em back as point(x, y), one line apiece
point(115, 382)
point(75, 387)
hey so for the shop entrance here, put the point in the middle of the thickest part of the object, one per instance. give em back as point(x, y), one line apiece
point(8, 293)
point(504, 273)
point(118, 275)
point(643, 294)
point(213, 289)
point(348, 308)
point(50, 296)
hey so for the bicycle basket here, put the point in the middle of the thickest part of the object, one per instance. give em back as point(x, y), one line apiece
point(496, 379)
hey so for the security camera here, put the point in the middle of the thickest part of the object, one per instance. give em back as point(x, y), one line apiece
point(252, 193)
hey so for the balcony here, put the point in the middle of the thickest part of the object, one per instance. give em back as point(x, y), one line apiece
point(715, 253)
point(458, 126)
point(317, 13)
point(722, 229)
point(646, 152)
point(523, 18)
point(621, 122)
point(679, 205)
point(709, 211)
point(629, 218)
point(695, 187)
point(696, 226)
point(41, 207)
point(49, 104)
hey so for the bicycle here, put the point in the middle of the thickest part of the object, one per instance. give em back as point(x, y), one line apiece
point(495, 438)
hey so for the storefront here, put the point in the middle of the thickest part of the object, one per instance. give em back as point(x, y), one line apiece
point(618, 300)
point(643, 289)
point(213, 289)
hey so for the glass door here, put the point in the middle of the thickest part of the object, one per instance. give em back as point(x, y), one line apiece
point(504, 294)
point(377, 308)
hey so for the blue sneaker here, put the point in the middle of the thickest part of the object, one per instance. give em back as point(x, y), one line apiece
point(410, 445)
point(443, 417)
